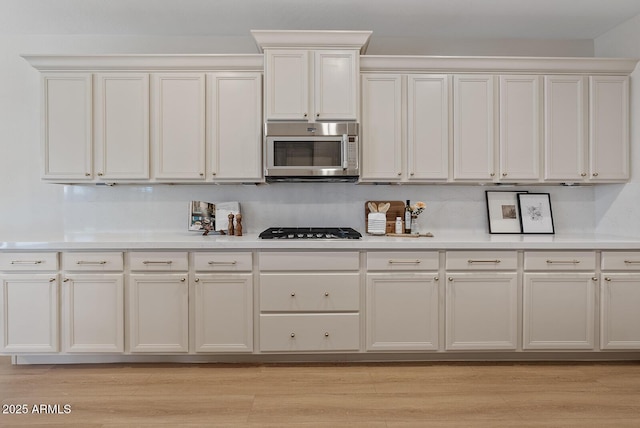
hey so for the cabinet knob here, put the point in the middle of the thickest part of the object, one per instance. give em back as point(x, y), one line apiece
point(100, 174)
point(317, 114)
point(202, 174)
point(412, 174)
point(52, 280)
point(86, 174)
point(293, 294)
point(64, 280)
point(595, 174)
point(504, 174)
point(399, 173)
point(293, 335)
point(197, 280)
point(493, 174)
point(213, 173)
point(450, 279)
point(606, 278)
point(183, 279)
point(435, 278)
point(326, 294)
point(326, 334)
point(594, 278)
point(305, 115)
point(584, 174)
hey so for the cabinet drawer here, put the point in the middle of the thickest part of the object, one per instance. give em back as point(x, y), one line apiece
point(482, 260)
point(210, 261)
point(621, 260)
point(159, 261)
point(310, 332)
point(402, 260)
point(560, 260)
point(29, 261)
point(92, 261)
point(310, 292)
point(314, 260)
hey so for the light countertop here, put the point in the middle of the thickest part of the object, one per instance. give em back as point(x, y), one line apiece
point(195, 241)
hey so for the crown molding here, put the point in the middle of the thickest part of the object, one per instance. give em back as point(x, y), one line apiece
point(266, 39)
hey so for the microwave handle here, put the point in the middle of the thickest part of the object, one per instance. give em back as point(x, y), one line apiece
point(345, 148)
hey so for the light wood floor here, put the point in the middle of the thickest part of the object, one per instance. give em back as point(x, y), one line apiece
point(488, 395)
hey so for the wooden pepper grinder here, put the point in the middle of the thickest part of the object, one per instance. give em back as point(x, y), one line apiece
point(230, 226)
point(238, 224)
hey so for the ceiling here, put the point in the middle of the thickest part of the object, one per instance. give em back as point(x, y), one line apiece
point(440, 19)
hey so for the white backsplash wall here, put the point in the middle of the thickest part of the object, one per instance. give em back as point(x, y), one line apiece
point(164, 208)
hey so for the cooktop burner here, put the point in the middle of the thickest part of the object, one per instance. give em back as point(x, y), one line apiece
point(310, 233)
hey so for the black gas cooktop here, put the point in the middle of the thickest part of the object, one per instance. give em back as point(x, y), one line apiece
point(310, 233)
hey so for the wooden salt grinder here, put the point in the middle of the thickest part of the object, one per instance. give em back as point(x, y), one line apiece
point(238, 224)
point(230, 226)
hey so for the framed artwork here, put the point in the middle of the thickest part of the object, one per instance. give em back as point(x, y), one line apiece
point(201, 213)
point(503, 212)
point(536, 215)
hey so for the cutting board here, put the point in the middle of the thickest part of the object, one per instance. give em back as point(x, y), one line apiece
point(395, 210)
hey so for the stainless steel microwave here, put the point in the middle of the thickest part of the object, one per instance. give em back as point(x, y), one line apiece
point(311, 151)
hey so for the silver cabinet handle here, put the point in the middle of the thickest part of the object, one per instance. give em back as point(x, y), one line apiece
point(563, 262)
point(26, 262)
point(482, 261)
point(404, 262)
point(151, 262)
point(632, 262)
point(88, 262)
point(213, 262)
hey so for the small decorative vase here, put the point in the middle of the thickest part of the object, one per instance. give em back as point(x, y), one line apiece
point(415, 225)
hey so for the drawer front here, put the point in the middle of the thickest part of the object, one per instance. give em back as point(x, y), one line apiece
point(105, 261)
point(560, 260)
point(215, 262)
point(310, 292)
point(309, 332)
point(621, 260)
point(482, 260)
point(402, 260)
point(29, 261)
point(314, 260)
point(159, 261)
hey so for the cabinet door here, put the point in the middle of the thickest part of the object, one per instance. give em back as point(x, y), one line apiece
point(122, 126)
point(519, 128)
point(224, 313)
point(402, 312)
point(179, 126)
point(287, 84)
point(620, 311)
point(158, 313)
point(29, 318)
point(335, 84)
point(609, 128)
point(67, 126)
point(473, 127)
point(565, 128)
point(235, 126)
point(481, 311)
point(558, 311)
point(381, 140)
point(428, 127)
point(93, 313)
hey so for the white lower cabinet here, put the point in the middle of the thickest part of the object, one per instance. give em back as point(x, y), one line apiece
point(620, 311)
point(93, 313)
point(159, 313)
point(481, 311)
point(29, 321)
point(559, 310)
point(402, 312)
point(223, 312)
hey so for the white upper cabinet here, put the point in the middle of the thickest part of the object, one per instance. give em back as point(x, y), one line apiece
point(519, 146)
point(428, 127)
point(234, 116)
point(311, 85)
point(67, 126)
point(178, 126)
point(473, 127)
point(121, 105)
point(381, 136)
point(609, 128)
point(565, 128)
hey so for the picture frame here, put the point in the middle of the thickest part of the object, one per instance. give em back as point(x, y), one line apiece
point(503, 212)
point(536, 214)
point(201, 213)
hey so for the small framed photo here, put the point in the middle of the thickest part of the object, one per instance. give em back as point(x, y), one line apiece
point(201, 213)
point(503, 212)
point(536, 215)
